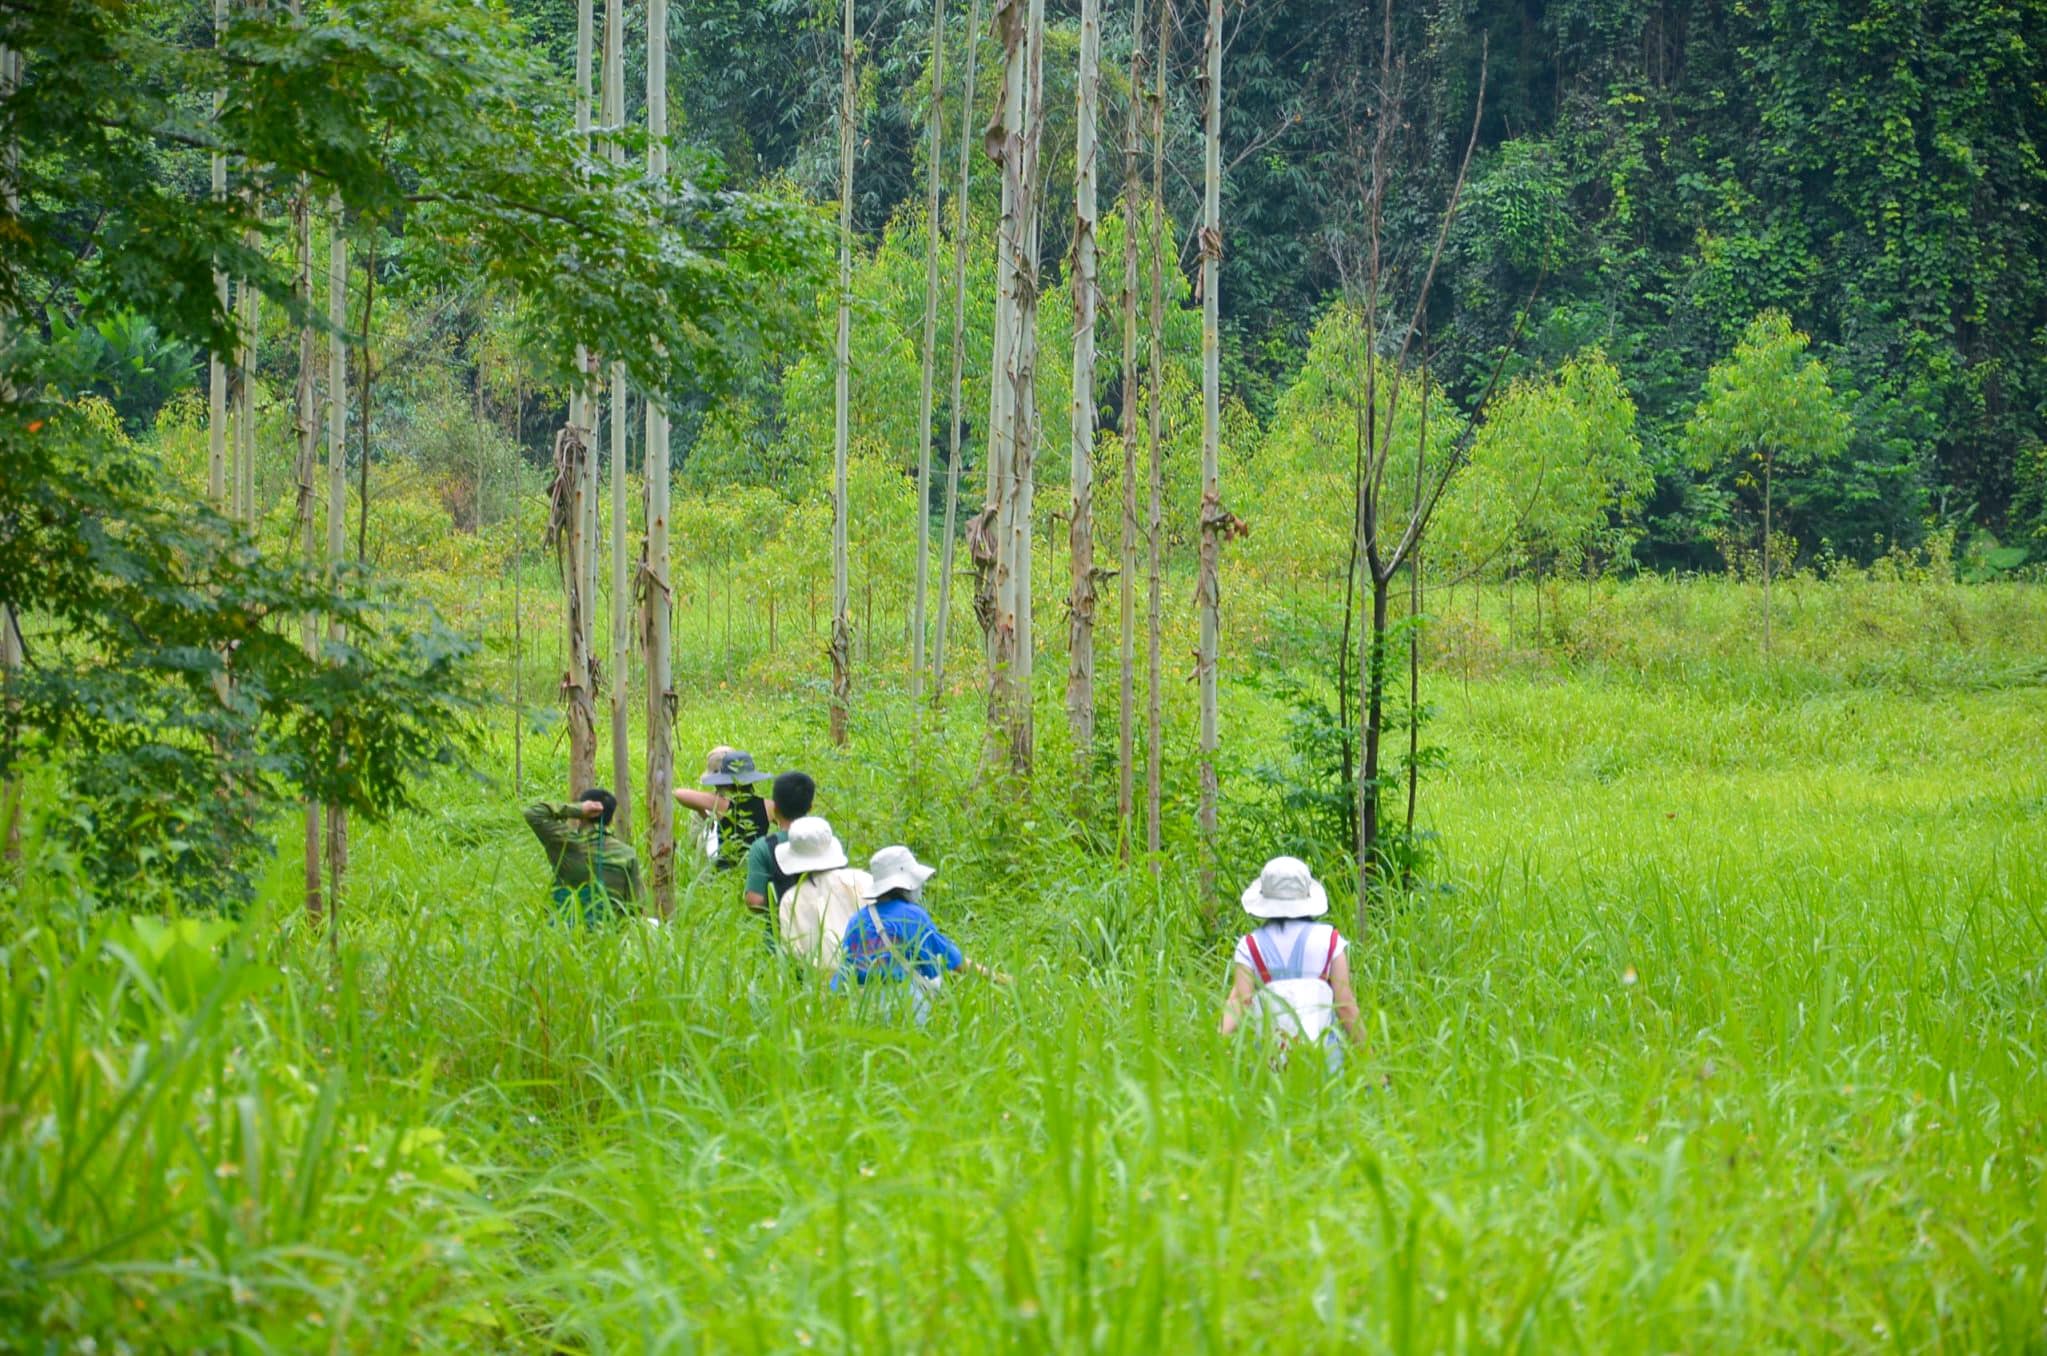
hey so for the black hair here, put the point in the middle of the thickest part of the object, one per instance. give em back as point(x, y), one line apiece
point(794, 793)
point(604, 798)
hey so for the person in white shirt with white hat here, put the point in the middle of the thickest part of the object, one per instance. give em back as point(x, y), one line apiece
point(1291, 975)
point(812, 914)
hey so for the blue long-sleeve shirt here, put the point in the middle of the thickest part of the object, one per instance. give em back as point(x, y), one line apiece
point(908, 939)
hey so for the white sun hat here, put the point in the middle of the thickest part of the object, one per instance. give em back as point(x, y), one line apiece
point(896, 868)
point(812, 846)
point(1286, 889)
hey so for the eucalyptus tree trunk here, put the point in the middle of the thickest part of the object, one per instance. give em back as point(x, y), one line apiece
point(1023, 468)
point(1769, 465)
point(216, 363)
point(250, 302)
point(578, 453)
point(514, 430)
point(660, 659)
point(1214, 521)
point(928, 354)
point(248, 316)
point(959, 332)
point(306, 470)
point(1154, 518)
point(842, 623)
point(364, 407)
point(11, 656)
point(583, 399)
point(621, 585)
point(573, 453)
point(249, 319)
point(1126, 580)
point(337, 488)
point(1015, 142)
point(593, 526)
point(986, 535)
point(1080, 606)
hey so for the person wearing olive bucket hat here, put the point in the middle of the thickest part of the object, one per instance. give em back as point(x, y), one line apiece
point(1291, 974)
point(732, 812)
point(811, 915)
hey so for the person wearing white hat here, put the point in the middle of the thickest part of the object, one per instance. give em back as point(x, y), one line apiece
point(1291, 974)
point(893, 940)
point(812, 914)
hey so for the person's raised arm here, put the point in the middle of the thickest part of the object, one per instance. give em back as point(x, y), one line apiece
point(553, 821)
point(1346, 1000)
point(703, 802)
point(1238, 999)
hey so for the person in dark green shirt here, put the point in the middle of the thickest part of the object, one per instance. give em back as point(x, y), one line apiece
point(596, 876)
point(766, 881)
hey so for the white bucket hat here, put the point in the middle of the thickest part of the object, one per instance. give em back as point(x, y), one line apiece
point(896, 868)
point(1286, 889)
point(812, 846)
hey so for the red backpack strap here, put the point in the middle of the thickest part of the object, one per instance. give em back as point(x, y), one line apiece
point(1330, 959)
point(1258, 960)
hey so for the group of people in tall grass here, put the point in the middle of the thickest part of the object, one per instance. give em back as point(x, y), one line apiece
point(858, 928)
point(869, 930)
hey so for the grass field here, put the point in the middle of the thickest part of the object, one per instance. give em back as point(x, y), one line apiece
point(1720, 1027)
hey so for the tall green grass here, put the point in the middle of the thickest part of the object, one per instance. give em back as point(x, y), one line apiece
point(1720, 1027)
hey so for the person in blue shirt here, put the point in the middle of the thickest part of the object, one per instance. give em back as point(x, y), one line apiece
point(894, 945)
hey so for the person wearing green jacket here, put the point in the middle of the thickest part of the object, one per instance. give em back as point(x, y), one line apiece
point(596, 876)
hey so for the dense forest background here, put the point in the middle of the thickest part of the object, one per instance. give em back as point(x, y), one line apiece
point(1649, 177)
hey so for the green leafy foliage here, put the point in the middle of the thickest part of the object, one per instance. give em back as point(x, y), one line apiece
point(1768, 405)
point(422, 113)
point(1556, 468)
point(165, 673)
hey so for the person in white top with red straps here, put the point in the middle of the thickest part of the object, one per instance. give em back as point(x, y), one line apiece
point(1290, 976)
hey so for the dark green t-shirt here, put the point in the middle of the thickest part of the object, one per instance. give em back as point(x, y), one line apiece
point(764, 872)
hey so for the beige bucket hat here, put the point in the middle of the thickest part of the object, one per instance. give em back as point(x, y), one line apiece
point(896, 868)
point(1286, 889)
point(811, 846)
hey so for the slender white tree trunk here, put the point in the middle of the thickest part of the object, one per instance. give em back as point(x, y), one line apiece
point(580, 449)
point(216, 364)
point(988, 535)
point(1155, 509)
point(11, 656)
point(959, 331)
point(929, 353)
point(1213, 520)
point(337, 488)
point(660, 680)
point(621, 583)
point(1080, 606)
point(842, 622)
point(1126, 579)
point(587, 395)
point(306, 470)
point(1020, 26)
point(1769, 460)
point(249, 317)
point(248, 307)
point(1029, 435)
point(576, 683)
